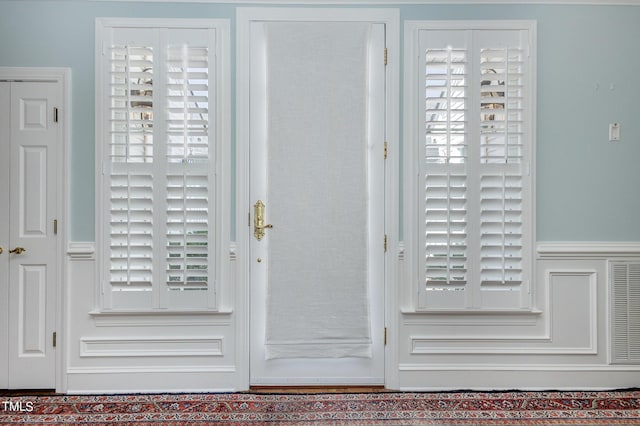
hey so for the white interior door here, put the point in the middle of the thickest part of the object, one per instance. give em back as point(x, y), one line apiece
point(5, 154)
point(28, 264)
point(317, 124)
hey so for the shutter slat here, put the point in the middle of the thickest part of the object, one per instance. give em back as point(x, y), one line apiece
point(187, 104)
point(187, 232)
point(131, 231)
point(502, 105)
point(501, 229)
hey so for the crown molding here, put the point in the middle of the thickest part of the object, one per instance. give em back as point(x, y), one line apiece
point(393, 2)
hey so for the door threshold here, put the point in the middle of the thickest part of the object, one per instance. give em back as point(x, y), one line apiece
point(317, 389)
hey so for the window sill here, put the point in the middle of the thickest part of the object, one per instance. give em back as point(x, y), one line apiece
point(411, 312)
point(161, 318)
point(163, 312)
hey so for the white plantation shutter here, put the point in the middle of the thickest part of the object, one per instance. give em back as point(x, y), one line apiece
point(131, 225)
point(501, 230)
point(188, 103)
point(502, 105)
point(159, 170)
point(446, 231)
point(443, 166)
point(474, 169)
point(131, 104)
point(187, 232)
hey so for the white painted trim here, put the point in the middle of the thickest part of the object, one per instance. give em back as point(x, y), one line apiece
point(160, 23)
point(148, 379)
point(587, 368)
point(391, 18)
point(61, 76)
point(424, 347)
point(453, 377)
point(412, 123)
point(593, 298)
point(588, 250)
point(151, 347)
point(453, 318)
point(320, 381)
point(223, 289)
point(77, 251)
point(394, 2)
point(204, 369)
point(161, 318)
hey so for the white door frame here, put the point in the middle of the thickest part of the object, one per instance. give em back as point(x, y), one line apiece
point(244, 17)
point(61, 76)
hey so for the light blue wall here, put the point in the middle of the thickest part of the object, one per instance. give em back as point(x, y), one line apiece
point(588, 76)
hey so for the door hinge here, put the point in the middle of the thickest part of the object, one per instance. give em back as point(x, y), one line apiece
point(249, 219)
point(385, 56)
point(385, 336)
point(385, 243)
point(385, 150)
point(55, 114)
point(55, 226)
point(55, 339)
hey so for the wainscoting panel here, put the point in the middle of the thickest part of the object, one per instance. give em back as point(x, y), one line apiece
point(119, 351)
point(564, 342)
point(150, 347)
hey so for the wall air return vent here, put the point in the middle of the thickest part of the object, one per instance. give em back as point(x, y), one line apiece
point(625, 312)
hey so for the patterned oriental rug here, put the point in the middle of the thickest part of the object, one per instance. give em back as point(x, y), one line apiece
point(385, 408)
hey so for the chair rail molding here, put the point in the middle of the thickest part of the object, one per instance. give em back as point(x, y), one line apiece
point(588, 249)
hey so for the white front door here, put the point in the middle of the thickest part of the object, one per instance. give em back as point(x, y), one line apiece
point(317, 131)
point(29, 143)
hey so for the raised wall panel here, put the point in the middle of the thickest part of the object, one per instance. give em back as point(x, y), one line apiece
point(31, 311)
point(574, 316)
point(151, 347)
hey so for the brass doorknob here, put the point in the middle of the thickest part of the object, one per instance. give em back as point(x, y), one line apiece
point(1, 250)
point(18, 250)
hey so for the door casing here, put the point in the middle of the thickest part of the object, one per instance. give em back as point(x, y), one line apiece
point(62, 78)
point(245, 16)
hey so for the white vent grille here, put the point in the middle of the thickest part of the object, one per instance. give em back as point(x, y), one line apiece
point(625, 307)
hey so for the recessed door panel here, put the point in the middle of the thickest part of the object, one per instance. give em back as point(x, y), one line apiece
point(32, 310)
point(33, 197)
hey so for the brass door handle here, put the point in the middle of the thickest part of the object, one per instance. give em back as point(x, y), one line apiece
point(18, 250)
point(258, 220)
point(1, 250)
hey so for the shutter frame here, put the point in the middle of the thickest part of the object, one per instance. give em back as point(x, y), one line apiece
point(499, 221)
point(120, 217)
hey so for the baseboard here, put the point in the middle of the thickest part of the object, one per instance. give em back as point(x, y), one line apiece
point(153, 380)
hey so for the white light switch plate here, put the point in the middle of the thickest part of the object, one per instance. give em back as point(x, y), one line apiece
point(614, 132)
